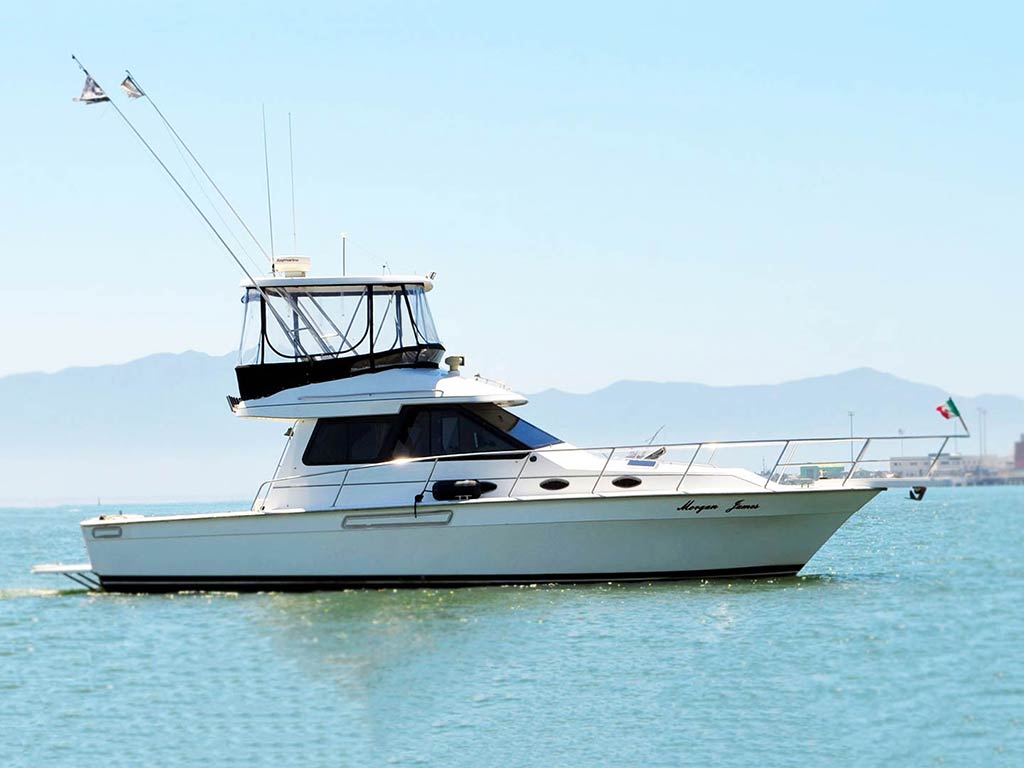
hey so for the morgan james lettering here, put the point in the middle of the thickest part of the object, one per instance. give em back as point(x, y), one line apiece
point(691, 506)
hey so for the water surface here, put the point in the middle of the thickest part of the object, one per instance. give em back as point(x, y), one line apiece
point(900, 645)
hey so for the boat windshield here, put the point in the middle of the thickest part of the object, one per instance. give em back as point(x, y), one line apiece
point(286, 324)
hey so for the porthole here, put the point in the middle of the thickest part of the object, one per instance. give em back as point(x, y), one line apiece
point(626, 482)
point(554, 484)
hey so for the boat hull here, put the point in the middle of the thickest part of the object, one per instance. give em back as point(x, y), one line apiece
point(627, 538)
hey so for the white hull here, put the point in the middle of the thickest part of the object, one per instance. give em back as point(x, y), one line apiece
point(579, 539)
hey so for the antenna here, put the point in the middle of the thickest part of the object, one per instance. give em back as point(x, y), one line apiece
point(344, 239)
point(655, 435)
point(291, 162)
point(266, 165)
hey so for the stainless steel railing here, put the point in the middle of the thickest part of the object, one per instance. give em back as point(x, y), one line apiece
point(776, 475)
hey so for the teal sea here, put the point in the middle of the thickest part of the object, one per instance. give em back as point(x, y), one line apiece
point(901, 644)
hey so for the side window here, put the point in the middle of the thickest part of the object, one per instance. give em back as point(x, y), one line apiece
point(366, 440)
point(414, 436)
point(476, 437)
point(520, 430)
point(348, 441)
point(456, 431)
point(442, 431)
point(446, 433)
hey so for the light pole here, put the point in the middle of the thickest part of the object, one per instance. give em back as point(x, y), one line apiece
point(851, 413)
point(982, 434)
point(900, 432)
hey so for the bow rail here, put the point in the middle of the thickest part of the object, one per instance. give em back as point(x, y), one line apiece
point(640, 455)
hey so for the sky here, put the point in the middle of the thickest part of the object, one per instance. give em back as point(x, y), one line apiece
point(724, 193)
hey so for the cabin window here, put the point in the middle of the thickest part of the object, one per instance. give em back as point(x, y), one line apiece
point(522, 431)
point(442, 431)
point(458, 432)
point(359, 440)
point(413, 435)
point(419, 432)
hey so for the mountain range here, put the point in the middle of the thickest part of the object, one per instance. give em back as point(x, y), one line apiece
point(159, 428)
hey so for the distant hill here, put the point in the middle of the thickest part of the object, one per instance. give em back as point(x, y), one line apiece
point(154, 428)
point(629, 411)
point(160, 428)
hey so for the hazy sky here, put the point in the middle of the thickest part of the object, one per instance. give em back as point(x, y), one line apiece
point(722, 193)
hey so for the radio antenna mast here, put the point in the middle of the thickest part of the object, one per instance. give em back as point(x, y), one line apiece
point(266, 166)
point(291, 163)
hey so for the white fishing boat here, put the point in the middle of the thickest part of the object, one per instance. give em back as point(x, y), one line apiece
point(402, 470)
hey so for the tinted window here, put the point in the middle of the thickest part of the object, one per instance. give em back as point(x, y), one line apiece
point(434, 431)
point(456, 431)
point(414, 435)
point(522, 431)
point(348, 441)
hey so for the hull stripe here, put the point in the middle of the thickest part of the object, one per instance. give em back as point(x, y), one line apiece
point(311, 583)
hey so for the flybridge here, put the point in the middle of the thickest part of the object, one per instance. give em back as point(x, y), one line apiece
point(301, 330)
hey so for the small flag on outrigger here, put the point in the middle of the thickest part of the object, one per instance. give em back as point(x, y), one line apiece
point(128, 86)
point(948, 410)
point(92, 93)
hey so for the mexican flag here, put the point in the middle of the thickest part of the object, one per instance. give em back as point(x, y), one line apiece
point(949, 410)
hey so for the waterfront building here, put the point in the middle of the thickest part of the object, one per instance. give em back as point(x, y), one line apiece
point(950, 465)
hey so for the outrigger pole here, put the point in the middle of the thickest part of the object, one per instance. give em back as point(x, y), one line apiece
point(199, 164)
point(266, 298)
point(174, 178)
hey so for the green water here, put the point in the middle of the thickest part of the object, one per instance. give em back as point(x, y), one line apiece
point(901, 645)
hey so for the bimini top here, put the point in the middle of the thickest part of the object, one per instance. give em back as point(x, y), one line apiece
point(307, 330)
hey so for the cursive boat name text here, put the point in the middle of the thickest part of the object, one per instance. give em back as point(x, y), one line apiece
point(691, 506)
point(740, 505)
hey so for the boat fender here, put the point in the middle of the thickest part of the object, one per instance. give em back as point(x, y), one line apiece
point(461, 490)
